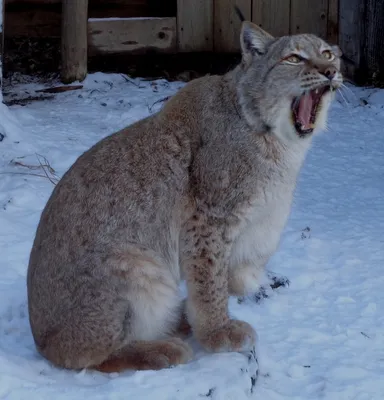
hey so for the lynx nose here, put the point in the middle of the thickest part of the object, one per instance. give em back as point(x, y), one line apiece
point(330, 72)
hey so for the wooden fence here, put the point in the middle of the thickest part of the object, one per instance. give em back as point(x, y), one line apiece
point(212, 25)
point(102, 27)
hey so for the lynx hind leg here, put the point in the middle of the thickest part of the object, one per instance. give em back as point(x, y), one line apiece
point(127, 327)
point(183, 328)
point(156, 354)
point(148, 355)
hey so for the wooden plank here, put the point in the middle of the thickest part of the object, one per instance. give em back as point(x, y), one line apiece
point(42, 18)
point(2, 20)
point(74, 42)
point(272, 15)
point(373, 48)
point(30, 2)
point(91, 2)
point(309, 17)
point(116, 36)
point(119, 8)
point(333, 21)
point(227, 24)
point(195, 25)
point(350, 34)
point(39, 23)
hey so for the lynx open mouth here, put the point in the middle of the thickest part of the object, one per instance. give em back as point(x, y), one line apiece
point(306, 108)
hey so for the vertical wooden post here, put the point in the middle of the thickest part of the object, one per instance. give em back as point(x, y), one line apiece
point(333, 22)
point(373, 48)
point(2, 21)
point(272, 15)
point(195, 25)
point(309, 17)
point(227, 24)
point(74, 43)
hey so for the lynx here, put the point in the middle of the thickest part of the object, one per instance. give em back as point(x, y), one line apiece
point(200, 192)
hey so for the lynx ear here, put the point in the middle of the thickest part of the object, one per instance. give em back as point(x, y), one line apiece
point(253, 39)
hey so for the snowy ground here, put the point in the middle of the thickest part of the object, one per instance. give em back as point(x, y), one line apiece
point(320, 338)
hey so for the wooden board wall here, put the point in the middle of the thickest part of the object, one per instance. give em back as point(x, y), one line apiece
point(227, 24)
point(1, 52)
point(361, 37)
point(282, 17)
point(42, 18)
point(333, 21)
point(272, 15)
point(195, 25)
point(132, 36)
point(309, 16)
point(202, 25)
point(373, 44)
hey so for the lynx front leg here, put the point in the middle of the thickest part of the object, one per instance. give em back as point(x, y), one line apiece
point(206, 269)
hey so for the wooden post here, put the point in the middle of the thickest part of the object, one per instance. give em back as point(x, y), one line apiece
point(2, 4)
point(373, 48)
point(195, 25)
point(361, 37)
point(309, 17)
point(272, 15)
point(333, 22)
point(74, 43)
point(227, 24)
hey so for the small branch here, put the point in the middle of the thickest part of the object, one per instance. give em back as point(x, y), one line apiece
point(59, 89)
point(44, 165)
point(132, 81)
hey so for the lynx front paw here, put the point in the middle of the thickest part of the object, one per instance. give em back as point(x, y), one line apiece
point(235, 336)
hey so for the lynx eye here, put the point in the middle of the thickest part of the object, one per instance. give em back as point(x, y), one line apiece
point(327, 54)
point(293, 59)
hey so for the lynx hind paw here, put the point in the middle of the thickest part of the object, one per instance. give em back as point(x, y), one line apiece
point(274, 282)
point(277, 281)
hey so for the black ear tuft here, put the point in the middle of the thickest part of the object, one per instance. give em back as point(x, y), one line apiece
point(253, 39)
point(239, 14)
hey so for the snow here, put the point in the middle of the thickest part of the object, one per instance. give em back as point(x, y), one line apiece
point(320, 338)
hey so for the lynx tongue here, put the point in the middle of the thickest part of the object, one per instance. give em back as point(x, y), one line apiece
point(304, 110)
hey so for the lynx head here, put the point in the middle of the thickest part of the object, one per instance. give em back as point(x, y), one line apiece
point(287, 83)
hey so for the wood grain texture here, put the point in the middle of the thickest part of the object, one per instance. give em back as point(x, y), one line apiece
point(74, 41)
point(39, 23)
point(227, 24)
point(351, 34)
point(195, 25)
point(333, 21)
point(1, 47)
point(373, 45)
point(309, 17)
point(132, 36)
point(34, 2)
point(272, 15)
point(91, 2)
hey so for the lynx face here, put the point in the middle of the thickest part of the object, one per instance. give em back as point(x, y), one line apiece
point(292, 80)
